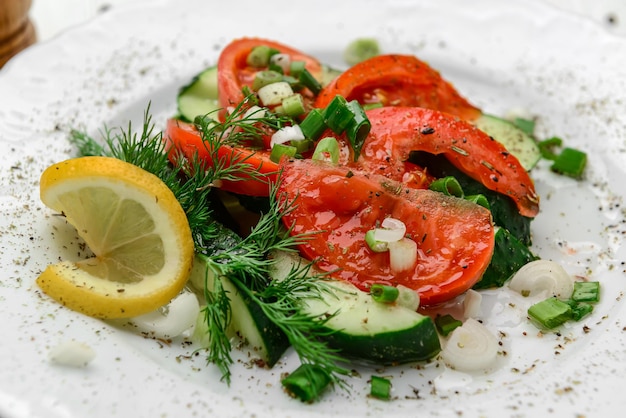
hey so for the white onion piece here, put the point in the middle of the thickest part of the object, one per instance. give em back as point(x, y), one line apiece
point(273, 94)
point(470, 347)
point(171, 320)
point(393, 223)
point(402, 255)
point(471, 304)
point(408, 298)
point(392, 230)
point(286, 134)
point(543, 278)
point(252, 114)
point(72, 353)
point(282, 60)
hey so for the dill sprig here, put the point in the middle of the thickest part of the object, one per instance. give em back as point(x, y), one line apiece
point(248, 266)
point(280, 301)
point(244, 125)
point(146, 149)
point(250, 255)
point(245, 260)
point(217, 317)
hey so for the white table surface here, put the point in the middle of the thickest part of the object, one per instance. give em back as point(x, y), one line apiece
point(54, 16)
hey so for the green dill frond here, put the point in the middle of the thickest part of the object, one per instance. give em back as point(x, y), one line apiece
point(250, 255)
point(244, 261)
point(145, 149)
point(189, 182)
point(217, 316)
point(244, 126)
point(281, 302)
point(87, 146)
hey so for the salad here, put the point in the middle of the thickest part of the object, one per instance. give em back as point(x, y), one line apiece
point(341, 213)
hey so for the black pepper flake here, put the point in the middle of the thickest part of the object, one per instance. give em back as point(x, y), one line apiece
point(429, 130)
point(611, 19)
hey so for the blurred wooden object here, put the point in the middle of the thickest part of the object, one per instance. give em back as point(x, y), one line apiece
point(16, 30)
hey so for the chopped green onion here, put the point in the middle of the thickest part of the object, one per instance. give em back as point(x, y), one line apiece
point(263, 78)
point(280, 150)
point(375, 105)
point(251, 98)
point(338, 115)
point(358, 128)
point(280, 62)
point(447, 185)
point(546, 147)
point(302, 145)
point(307, 79)
point(550, 313)
point(307, 382)
point(445, 324)
point(296, 68)
point(293, 82)
point(384, 293)
point(313, 124)
point(273, 94)
point(480, 200)
point(579, 309)
point(286, 134)
point(408, 298)
point(553, 312)
point(293, 105)
point(586, 292)
point(374, 244)
point(392, 229)
point(380, 388)
point(260, 56)
point(360, 50)
point(525, 125)
point(327, 150)
point(275, 68)
point(570, 162)
point(402, 255)
point(201, 120)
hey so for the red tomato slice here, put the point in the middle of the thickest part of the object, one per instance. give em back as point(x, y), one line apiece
point(234, 73)
point(181, 137)
point(398, 80)
point(339, 205)
point(396, 131)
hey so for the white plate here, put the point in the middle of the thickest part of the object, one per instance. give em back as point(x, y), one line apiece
point(566, 70)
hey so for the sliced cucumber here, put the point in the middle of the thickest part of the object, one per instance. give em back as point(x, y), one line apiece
point(509, 256)
point(328, 74)
point(199, 97)
point(248, 321)
point(380, 333)
point(515, 140)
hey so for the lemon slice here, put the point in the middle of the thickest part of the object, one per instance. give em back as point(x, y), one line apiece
point(133, 224)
